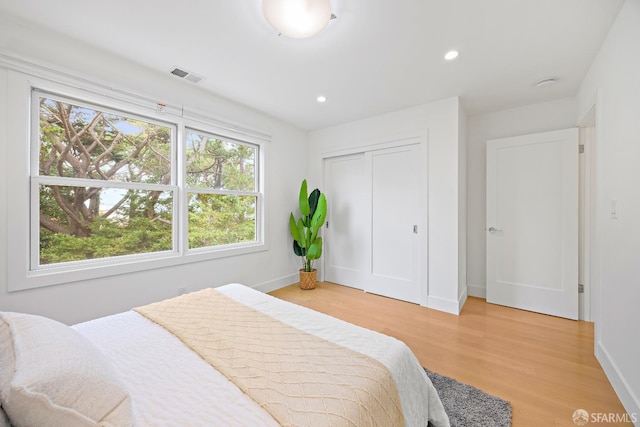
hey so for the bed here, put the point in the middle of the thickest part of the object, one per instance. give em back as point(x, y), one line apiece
point(147, 376)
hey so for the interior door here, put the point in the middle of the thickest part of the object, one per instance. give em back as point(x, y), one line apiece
point(345, 250)
point(395, 203)
point(532, 222)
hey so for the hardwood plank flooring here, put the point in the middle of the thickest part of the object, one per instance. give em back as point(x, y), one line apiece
point(543, 365)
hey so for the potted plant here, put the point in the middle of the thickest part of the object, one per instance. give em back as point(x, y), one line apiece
point(306, 241)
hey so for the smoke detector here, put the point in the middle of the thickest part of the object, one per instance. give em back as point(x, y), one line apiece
point(185, 74)
point(546, 82)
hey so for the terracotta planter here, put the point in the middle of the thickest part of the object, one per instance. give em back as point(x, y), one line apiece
point(308, 279)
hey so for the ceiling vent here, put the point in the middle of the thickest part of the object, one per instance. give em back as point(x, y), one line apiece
point(187, 75)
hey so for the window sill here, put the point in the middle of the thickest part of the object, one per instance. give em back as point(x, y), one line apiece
point(127, 264)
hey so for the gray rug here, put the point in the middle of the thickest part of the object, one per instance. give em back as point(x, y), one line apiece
point(468, 406)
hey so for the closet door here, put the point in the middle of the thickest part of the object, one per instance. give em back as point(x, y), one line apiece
point(345, 245)
point(374, 234)
point(395, 194)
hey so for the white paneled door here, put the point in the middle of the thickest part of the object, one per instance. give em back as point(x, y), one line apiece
point(395, 203)
point(532, 222)
point(373, 239)
point(345, 250)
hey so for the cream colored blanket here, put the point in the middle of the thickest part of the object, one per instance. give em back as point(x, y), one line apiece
point(298, 378)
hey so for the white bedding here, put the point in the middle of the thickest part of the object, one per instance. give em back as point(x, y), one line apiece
point(170, 385)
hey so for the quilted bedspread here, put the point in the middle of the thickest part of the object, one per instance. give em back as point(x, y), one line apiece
point(299, 378)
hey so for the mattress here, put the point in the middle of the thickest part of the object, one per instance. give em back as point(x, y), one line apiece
point(170, 385)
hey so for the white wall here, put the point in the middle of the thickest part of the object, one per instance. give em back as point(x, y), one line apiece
point(80, 301)
point(535, 118)
point(615, 76)
point(439, 123)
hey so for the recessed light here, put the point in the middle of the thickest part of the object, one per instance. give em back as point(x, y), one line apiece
point(452, 54)
point(321, 99)
point(546, 82)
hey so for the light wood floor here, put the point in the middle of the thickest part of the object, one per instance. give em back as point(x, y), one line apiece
point(543, 365)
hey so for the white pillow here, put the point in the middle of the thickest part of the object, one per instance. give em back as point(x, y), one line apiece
point(51, 375)
point(7, 363)
point(4, 421)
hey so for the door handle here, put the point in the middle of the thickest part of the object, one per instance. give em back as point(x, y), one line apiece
point(493, 229)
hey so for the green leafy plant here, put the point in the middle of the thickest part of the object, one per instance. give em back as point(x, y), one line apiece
point(306, 242)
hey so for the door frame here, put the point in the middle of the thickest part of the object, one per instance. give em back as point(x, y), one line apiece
point(393, 141)
point(590, 127)
point(586, 138)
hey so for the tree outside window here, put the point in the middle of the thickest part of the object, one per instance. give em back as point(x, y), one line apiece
point(107, 185)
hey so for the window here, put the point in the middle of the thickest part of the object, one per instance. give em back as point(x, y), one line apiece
point(110, 186)
point(221, 190)
point(104, 183)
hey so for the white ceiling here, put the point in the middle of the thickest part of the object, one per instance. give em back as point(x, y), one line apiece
point(378, 56)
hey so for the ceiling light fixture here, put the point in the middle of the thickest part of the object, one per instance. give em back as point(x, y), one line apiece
point(321, 99)
point(297, 18)
point(452, 54)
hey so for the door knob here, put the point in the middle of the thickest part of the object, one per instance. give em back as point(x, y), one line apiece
point(493, 229)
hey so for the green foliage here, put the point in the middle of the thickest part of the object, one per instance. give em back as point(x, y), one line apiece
point(107, 239)
point(79, 223)
point(218, 164)
point(216, 219)
point(306, 242)
point(220, 219)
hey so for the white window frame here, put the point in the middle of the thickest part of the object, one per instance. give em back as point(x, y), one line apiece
point(23, 152)
point(37, 180)
point(186, 190)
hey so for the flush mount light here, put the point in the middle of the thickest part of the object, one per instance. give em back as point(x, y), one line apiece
point(452, 54)
point(321, 99)
point(297, 18)
point(546, 82)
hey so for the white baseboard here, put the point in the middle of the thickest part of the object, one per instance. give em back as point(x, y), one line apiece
point(281, 282)
point(441, 304)
point(477, 291)
point(629, 400)
point(462, 300)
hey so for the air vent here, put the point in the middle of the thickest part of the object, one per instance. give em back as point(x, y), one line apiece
point(187, 75)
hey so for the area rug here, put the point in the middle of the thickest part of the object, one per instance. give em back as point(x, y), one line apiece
point(468, 406)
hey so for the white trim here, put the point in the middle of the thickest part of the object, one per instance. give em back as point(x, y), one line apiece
point(204, 190)
point(593, 117)
point(424, 220)
point(462, 300)
point(623, 389)
point(278, 283)
point(379, 144)
point(18, 193)
point(446, 305)
point(477, 291)
point(83, 182)
point(180, 226)
point(39, 69)
point(587, 139)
